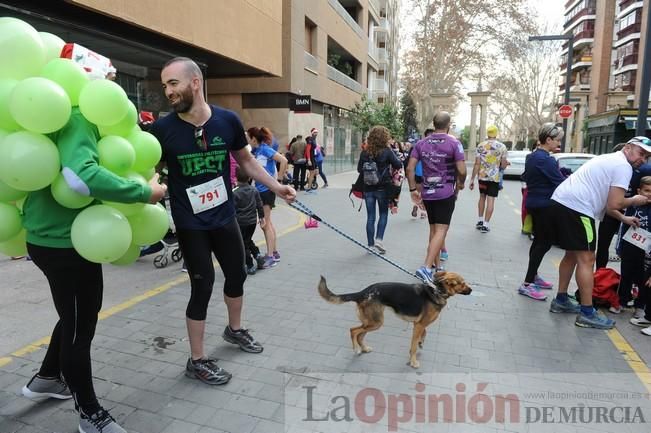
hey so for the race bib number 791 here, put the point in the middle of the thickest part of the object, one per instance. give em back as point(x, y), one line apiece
point(207, 195)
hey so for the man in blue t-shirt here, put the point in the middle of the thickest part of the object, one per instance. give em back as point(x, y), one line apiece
point(196, 140)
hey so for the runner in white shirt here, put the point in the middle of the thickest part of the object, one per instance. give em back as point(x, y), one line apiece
point(597, 187)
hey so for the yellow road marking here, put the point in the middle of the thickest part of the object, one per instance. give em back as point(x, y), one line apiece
point(38, 344)
point(632, 358)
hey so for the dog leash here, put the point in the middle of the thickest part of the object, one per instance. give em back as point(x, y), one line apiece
point(307, 211)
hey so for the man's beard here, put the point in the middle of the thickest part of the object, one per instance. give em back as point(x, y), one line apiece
point(186, 99)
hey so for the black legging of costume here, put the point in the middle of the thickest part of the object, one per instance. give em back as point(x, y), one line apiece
point(77, 288)
point(607, 229)
point(197, 247)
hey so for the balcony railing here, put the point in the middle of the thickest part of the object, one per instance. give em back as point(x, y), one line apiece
point(372, 50)
point(310, 62)
point(585, 34)
point(346, 16)
point(382, 56)
point(633, 28)
point(584, 12)
point(344, 80)
point(375, 5)
point(383, 26)
point(626, 3)
point(380, 85)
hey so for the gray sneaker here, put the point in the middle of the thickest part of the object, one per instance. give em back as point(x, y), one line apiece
point(594, 321)
point(242, 338)
point(207, 371)
point(99, 422)
point(570, 306)
point(40, 388)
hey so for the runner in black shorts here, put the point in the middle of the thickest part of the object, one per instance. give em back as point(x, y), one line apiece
point(491, 189)
point(196, 140)
point(268, 198)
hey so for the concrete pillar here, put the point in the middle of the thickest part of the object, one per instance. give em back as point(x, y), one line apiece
point(483, 116)
point(478, 99)
point(472, 144)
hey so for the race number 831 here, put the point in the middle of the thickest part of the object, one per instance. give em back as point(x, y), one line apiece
point(208, 195)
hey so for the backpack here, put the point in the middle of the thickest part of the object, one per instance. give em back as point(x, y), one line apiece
point(357, 190)
point(370, 174)
point(604, 293)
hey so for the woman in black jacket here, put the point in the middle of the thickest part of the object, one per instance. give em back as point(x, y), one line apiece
point(374, 166)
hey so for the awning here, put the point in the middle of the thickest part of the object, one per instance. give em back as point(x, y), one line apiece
point(631, 122)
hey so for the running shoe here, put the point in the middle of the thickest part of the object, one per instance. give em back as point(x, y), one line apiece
point(425, 274)
point(207, 371)
point(594, 321)
point(443, 255)
point(40, 388)
point(242, 338)
point(99, 422)
point(569, 306)
point(542, 283)
point(531, 291)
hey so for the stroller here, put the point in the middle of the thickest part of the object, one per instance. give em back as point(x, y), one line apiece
point(167, 247)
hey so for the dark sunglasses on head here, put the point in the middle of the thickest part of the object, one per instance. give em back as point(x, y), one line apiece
point(200, 138)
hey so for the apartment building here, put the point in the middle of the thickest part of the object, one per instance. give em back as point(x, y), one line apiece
point(333, 53)
point(291, 65)
point(604, 82)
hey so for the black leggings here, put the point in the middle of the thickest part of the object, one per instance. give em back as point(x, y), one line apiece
point(76, 286)
point(607, 229)
point(299, 176)
point(251, 250)
point(632, 267)
point(197, 247)
point(541, 241)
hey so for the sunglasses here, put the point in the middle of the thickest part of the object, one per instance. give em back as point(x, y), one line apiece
point(200, 138)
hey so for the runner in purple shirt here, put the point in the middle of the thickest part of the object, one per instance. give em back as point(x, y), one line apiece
point(444, 174)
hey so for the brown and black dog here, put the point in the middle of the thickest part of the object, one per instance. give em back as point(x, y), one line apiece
point(418, 303)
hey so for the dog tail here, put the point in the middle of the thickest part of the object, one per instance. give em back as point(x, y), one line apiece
point(328, 295)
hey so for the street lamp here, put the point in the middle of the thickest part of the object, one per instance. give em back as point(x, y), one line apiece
point(570, 55)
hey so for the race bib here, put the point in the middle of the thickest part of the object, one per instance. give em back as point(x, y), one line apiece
point(207, 195)
point(639, 238)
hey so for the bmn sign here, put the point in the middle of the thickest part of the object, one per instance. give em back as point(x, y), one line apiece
point(301, 103)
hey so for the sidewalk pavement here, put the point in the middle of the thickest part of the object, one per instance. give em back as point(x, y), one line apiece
point(512, 343)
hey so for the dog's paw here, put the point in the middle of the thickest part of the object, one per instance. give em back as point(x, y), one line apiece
point(357, 351)
point(367, 349)
point(414, 363)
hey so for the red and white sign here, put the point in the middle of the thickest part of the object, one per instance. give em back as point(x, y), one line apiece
point(565, 111)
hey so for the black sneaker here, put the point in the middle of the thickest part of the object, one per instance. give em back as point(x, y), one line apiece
point(484, 229)
point(40, 388)
point(242, 338)
point(207, 371)
point(98, 422)
point(479, 225)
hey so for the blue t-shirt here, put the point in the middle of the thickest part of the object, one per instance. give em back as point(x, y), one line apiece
point(264, 154)
point(189, 165)
point(542, 175)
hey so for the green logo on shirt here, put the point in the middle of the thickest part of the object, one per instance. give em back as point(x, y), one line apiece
point(212, 161)
point(217, 141)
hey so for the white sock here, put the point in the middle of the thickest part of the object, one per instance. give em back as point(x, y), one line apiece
point(485, 223)
point(481, 219)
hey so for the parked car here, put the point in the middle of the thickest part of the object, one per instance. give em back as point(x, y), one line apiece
point(570, 162)
point(516, 160)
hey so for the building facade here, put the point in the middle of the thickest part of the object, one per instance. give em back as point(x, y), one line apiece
point(608, 51)
point(290, 65)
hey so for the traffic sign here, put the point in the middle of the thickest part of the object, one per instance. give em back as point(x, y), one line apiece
point(565, 111)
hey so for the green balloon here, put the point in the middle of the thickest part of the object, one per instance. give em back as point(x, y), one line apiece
point(8, 193)
point(40, 105)
point(66, 196)
point(129, 257)
point(23, 53)
point(148, 174)
point(7, 122)
point(149, 225)
point(116, 154)
point(10, 221)
point(103, 102)
point(101, 234)
point(52, 44)
point(148, 150)
point(129, 209)
point(67, 74)
point(29, 161)
point(125, 126)
point(16, 246)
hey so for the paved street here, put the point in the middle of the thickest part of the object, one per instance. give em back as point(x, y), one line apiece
point(494, 342)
